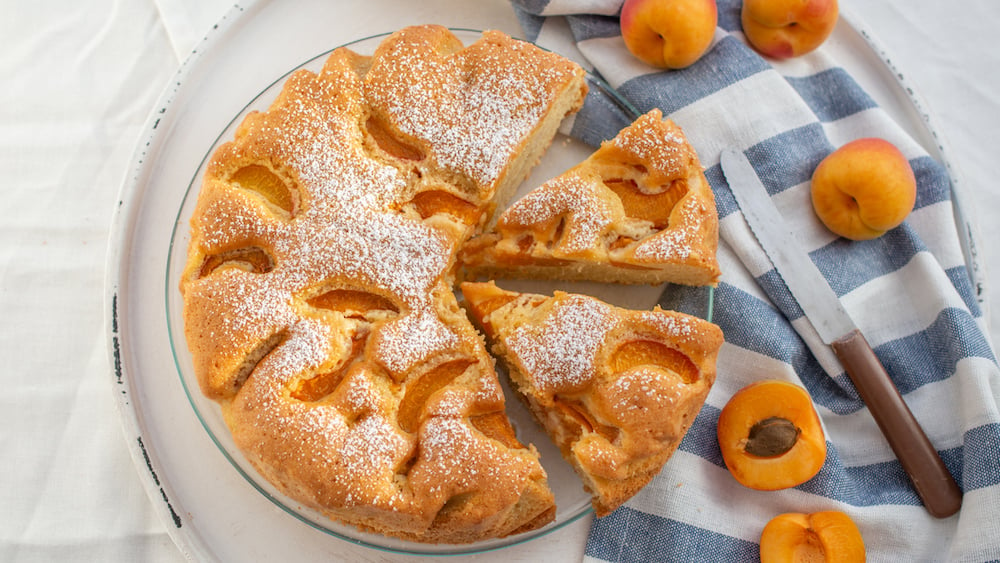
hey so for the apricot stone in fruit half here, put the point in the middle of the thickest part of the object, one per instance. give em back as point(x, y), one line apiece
point(771, 437)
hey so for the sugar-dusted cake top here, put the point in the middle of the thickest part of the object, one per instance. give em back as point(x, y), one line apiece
point(318, 299)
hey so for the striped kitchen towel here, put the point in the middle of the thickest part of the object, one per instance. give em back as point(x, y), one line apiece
point(909, 291)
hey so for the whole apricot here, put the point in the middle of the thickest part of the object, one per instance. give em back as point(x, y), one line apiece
point(820, 537)
point(863, 189)
point(788, 28)
point(770, 436)
point(668, 33)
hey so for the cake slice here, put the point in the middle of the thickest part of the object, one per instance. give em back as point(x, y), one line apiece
point(615, 389)
point(638, 210)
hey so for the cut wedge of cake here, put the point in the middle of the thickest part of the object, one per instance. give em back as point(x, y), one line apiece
point(638, 210)
point(615, 389)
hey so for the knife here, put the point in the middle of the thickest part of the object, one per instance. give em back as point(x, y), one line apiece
point(931, 479)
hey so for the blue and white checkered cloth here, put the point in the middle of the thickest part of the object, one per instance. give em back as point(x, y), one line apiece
point(909, 291)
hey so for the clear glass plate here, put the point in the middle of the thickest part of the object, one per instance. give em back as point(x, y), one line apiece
point(572, 501)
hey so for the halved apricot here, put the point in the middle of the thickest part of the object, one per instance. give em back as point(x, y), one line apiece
point(653, 207)
point(267, 184)
point(251, 259)
point(418, 392)
point(639, 352)
point(820, 537)
point(771, 437)
point(496, 425)
point(576, 411)
point(352, 303)
point(324, 384)
point(431, 202)
point(392, 142)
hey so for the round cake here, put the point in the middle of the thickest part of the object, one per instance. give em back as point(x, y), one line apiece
point(318, 293)
point(319, 290)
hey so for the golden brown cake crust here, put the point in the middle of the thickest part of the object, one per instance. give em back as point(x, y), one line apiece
point(318, 298)
point(638, 210)
point(616, 389)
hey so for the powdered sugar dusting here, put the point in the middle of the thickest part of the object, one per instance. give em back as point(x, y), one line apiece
point(372, 446)
point(643, 389)
point(331, 162)
point(462, 462)
point(385, 250)
point(253, 309)
point(570, 195)
point(347, 229)
point(472, 106)
point(664, 152)
point(443, 440)
point(676, 242)
point(658, 144)
point(410, 339)
point(674, 325)
point(559, 352)
point(306, 347)
point(226, 223)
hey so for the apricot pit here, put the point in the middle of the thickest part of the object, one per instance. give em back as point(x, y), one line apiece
point(771, 437)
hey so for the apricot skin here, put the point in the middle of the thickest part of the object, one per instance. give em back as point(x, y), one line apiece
point(758, 402)
point(788, 28)
point(829, 536)
point(863, 189)
point(670, 34)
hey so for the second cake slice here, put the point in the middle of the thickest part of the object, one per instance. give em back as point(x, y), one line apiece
point(638, 210)
point(615, 389)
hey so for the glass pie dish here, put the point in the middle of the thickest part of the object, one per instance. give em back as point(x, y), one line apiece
point(571, 499)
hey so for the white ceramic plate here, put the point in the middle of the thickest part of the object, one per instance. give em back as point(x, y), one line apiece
point(212, 502)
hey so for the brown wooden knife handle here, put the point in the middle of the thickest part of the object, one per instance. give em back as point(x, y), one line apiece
point(931, 479)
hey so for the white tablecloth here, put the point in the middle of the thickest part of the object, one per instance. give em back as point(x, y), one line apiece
point(79, 80)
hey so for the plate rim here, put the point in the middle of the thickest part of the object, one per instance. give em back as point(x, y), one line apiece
point(146, 460)
point(969, 232)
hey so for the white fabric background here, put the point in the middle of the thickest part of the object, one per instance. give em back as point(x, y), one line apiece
point(78, 82)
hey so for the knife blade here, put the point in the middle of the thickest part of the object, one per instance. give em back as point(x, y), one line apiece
point(933, 483)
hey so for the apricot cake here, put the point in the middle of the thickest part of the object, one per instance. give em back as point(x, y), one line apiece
point(638, 210)
point(318, 300)
point(615, 389)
